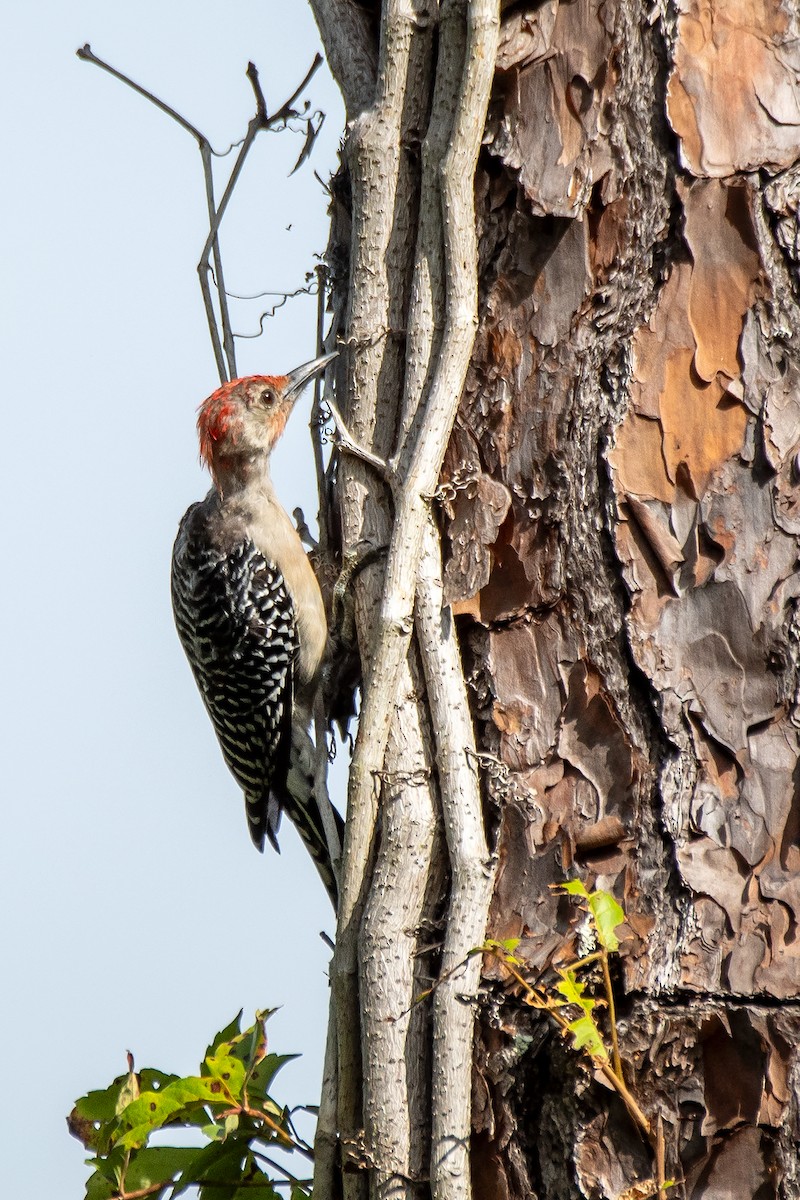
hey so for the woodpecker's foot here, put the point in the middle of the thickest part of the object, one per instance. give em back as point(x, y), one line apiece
point(345, 441)
point(342, 673)
point(363, 555)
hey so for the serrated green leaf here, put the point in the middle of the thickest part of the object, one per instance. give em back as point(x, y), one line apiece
point(263, 1073)
point(249, 1046)
point(574, 992)
point(101, 1105)
point(573, 887)
point(157, 1164)
point(227, 1034)
point(99, 1188)
point(218, 1160)
point(229, 1069)
point(242, 1047)
point(153, 1110)
point(587, 1037)
point(607, 915)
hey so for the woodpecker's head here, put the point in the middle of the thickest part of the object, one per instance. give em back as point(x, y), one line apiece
point(240, 422)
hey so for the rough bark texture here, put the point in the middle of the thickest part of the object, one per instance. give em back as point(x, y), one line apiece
point(620, 511)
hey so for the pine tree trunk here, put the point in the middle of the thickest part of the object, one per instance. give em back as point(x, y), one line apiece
point(619, 509)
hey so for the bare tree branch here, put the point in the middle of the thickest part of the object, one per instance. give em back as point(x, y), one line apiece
point(383, 236)
point(344, 29)
point(223, 346)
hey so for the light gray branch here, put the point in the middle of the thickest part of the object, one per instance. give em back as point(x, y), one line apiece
point(326, 1142)
point(471, 886)
point(467, 50)
point(472, 878)
point(408, 875)
point(375, 169)
point(384, 179)
point(344, 29)
point(425, 459)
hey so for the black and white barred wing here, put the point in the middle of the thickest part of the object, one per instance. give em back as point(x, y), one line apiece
point(235, 622)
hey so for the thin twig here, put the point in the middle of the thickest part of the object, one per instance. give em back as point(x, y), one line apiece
point(87, 55)
point(612, 1013)
point(223, 345)
point(316, 412)
point(660, 1159)
point(208, 177)
point(206, 151)
point(539, 1000)
point(260, 121)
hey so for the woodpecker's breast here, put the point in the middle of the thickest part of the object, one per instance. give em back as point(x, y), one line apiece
point(254, 519)
point(274, 535)
point(236, 622)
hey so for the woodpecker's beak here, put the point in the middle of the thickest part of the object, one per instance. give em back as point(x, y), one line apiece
point(297, 379)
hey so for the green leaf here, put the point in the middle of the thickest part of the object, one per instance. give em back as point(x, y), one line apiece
point(255, 1191)
point(218, 1164)
point(128, 1092)
point(584, 1029)
point(157, 1164)
point(264, 1072)
point(504, 949)
point(227, 1034)
point(574, 992)
point(587, 1037)
point(153, 1080)
point(608, 916)
point(214, 1132)
point(509, 945)
point(110, 1166)
point(249, 1046)
point(105, 1106)
point(606, 913)
point(255, 1184)
point(230, 1071)
point(99, 1188)
point(101, 1105)
point(153, 1110)
point(573, 887)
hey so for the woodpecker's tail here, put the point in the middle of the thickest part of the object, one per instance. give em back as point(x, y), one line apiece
point(303, 810)
point(298, 800)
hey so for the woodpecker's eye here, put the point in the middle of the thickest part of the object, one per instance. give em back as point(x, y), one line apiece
point(267, 397)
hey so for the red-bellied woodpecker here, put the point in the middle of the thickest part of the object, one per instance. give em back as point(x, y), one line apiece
point(249, 611)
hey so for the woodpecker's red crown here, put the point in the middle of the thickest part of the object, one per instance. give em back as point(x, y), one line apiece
point(241, 407)
point(243, 419)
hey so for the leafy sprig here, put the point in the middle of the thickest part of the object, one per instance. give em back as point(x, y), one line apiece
point(227, 1103)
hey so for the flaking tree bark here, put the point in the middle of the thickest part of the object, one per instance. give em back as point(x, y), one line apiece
point(566, 270)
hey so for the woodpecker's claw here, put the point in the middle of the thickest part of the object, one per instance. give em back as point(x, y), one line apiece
point(361, 556)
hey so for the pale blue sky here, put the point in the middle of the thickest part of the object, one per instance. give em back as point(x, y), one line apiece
point(136, 913)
